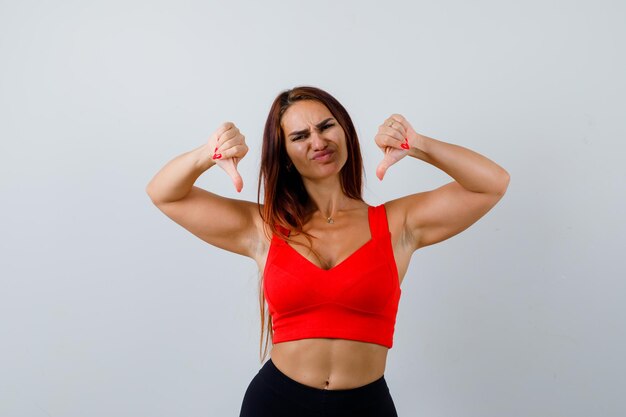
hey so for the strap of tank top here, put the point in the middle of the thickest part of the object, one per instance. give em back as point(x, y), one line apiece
point(283, 229)
point(378, 223)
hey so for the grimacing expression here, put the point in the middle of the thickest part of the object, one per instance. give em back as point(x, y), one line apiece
point(314, 140)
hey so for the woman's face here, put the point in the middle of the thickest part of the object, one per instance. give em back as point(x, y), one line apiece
point(314, 140)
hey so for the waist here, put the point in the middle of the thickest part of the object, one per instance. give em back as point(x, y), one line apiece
point(330, 364)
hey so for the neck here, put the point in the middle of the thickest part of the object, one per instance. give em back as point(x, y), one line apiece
point(327, 198)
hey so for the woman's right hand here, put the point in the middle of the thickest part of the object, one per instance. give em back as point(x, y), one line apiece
point(229, 146)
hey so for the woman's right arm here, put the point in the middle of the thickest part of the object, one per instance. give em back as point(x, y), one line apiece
point(227, 223)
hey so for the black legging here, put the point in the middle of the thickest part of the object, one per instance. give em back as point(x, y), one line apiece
point(271, 393)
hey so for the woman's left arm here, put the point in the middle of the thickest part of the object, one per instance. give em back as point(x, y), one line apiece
point(436, 215)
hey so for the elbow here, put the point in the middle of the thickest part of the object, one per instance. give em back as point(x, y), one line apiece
point(503, 182)
point(151, 194)
point(149, 189)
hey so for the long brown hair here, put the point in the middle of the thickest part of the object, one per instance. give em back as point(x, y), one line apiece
point(285, 198)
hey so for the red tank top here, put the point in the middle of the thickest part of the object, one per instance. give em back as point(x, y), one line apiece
point(357, 299)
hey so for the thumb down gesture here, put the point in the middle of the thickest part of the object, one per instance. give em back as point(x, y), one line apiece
point(230, 146)
point(394, 138)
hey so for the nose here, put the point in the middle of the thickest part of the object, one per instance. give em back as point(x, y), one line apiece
point(318, 142)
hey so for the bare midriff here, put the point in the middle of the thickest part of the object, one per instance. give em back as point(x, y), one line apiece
point(330, 364)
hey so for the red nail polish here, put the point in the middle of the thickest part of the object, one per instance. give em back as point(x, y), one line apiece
point(217, 156)
point(405, 146)
point(215, 149)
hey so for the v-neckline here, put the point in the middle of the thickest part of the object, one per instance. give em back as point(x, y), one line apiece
point(352, 255)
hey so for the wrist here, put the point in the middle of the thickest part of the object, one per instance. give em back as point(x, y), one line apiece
point(418, 146)
point(203, 157)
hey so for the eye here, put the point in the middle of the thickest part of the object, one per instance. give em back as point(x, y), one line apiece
point(326, 126)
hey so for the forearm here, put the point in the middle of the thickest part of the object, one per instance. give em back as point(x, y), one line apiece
point(174, 181)
point(471, 170)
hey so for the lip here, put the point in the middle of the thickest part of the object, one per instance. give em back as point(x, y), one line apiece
point(322, 155)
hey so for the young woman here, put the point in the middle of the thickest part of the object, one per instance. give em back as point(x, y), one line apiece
point(331, 264)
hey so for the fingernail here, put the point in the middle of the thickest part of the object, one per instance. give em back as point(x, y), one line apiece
point(405, 146)
point(217, 156)
point(215, 149)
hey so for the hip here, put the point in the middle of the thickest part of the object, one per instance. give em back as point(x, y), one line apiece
point(273, 393)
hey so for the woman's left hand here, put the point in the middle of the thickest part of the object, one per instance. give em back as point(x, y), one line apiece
point(395, 138)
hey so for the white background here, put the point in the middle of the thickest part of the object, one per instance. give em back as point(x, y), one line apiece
point(108, 308)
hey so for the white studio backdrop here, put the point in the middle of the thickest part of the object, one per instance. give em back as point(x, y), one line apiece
point(108, 308)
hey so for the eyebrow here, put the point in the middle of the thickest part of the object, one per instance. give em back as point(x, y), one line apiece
point(319, 125)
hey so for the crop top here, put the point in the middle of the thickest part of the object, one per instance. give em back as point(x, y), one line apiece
point(356, 299)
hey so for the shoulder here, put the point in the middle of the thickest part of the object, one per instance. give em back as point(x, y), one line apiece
point(408, 214)
point(262, 234)
point(396, 212)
